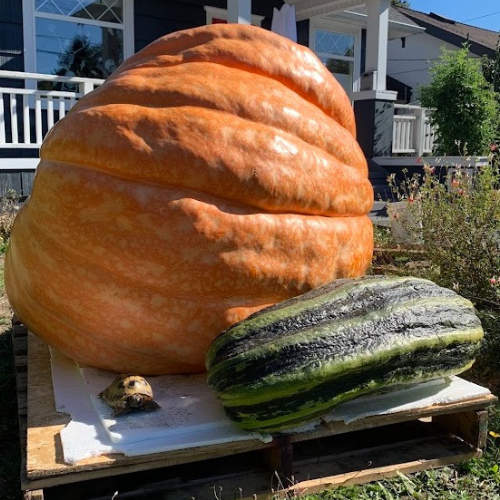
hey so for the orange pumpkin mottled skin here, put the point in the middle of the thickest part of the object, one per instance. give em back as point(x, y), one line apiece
point(214, 173)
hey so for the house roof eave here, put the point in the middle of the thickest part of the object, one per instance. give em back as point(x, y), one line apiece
point(397, 29)
point(457, 40)
point(481, 41)
point(305, 9)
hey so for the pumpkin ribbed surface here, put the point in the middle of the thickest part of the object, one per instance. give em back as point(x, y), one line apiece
point(214, 173)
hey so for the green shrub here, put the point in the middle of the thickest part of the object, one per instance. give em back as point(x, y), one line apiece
point(458, 210)
point(466, 109)
point(458, 213)
point(461, 229)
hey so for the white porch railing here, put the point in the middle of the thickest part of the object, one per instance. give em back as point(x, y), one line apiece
point(412, 133)
point(27, 113)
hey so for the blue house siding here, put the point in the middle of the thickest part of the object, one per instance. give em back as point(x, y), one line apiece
point(11, 35)
point(303, 32)
point(154, 18)
point(11, 59)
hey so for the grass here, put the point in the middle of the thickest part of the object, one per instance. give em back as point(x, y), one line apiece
point(444, 484)
point(475, 479)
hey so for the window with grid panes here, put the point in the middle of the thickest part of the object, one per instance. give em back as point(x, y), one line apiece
point(336, 50)
point(79, 37)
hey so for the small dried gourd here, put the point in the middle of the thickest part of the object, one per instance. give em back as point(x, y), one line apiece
point(128, 393)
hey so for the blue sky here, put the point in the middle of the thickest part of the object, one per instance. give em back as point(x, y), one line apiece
point(482, 13)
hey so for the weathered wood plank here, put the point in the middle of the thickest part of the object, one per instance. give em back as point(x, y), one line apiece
point(472, 426)
point(311, 476)
point(34, 495)
point(401, 442)
point(373, 474)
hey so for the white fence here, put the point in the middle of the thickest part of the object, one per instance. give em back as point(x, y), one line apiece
point(28, 113)
point(412, 133)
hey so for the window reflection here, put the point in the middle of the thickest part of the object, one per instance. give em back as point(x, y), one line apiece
point(338, 44)
point(98, 10)
point(343, 71)
point(74, 49)
point(336, 51)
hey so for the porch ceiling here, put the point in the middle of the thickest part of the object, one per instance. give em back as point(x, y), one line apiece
point(310, 8)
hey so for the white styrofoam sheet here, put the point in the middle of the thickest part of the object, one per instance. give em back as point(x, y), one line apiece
point(441, 391)
point(190, 414)
point(186, 403)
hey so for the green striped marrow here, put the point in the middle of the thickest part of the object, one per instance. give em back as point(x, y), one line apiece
point(291, 363)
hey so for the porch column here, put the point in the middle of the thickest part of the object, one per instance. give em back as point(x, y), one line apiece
point(376, 41)
point(374, 105)
point(239, 11)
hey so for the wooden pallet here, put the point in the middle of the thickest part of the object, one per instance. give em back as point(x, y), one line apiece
point(330, 455)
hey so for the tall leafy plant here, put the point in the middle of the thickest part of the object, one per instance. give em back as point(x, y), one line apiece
point(465, 110)
point(491, 69)
point(461, 228)
point(457, 213)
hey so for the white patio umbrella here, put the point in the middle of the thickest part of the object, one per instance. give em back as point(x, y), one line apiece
point(284, 22)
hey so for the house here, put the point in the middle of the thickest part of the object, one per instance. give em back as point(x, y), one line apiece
point(54, 51)
point(409, 58)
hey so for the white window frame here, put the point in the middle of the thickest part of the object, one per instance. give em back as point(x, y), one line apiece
point(344, 28)
point(217, 13)
point(29, 34)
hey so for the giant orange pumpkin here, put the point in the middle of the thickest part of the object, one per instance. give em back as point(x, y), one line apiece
point(214, 173)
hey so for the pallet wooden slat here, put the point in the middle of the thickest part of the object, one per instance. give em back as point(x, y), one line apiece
point(330, 455)
point(471, 426)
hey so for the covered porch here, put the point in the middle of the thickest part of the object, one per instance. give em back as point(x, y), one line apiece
point(27, 112)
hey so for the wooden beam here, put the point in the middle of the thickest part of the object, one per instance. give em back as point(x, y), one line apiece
point(471, 426)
